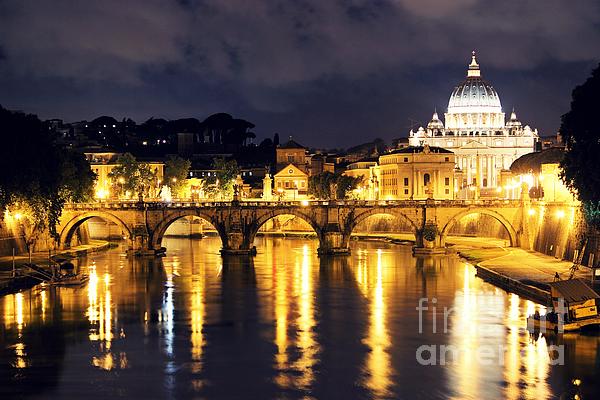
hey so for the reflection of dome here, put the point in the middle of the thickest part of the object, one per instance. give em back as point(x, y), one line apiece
point(474, 93)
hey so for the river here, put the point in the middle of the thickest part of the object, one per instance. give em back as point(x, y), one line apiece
point(284, 324)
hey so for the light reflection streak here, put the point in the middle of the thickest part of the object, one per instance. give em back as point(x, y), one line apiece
point(467, 340)
point(19, 311)
point(281, 326)
point(100, 315)
point(44, 301)
point(378, 363)
point(197, 319)
point(307, 345)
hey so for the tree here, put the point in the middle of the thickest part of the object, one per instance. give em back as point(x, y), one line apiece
point(580, 133)
point(327, 185)
point(320, 185)
point(38, 177)
point(176, 173)
point(345, 185)
point(221, 183)
point(132, 176)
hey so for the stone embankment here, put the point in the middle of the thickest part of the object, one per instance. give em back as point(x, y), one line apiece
point(520, 271)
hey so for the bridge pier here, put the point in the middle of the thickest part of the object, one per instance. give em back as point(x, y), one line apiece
point(235, 244)
point(429, 248)
point(333, 244)
point(423, 246)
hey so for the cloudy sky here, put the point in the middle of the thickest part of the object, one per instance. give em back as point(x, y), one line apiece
point(329, 72)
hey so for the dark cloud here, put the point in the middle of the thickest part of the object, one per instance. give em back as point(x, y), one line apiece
point(328, 72)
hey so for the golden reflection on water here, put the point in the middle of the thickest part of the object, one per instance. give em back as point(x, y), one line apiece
point(280, 283)
point(183, 288)
point(378, 363)
point(306, 343)
point(197, 315)
point(100, 314)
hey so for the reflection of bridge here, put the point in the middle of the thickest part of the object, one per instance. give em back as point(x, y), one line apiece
point(238, 222)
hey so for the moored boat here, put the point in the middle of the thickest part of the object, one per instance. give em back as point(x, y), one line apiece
point(574, 307)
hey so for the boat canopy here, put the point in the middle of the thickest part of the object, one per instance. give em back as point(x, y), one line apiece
point(573, 290)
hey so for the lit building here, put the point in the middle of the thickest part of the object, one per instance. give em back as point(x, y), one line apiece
point(475, 130)
point(416, 172)
point(367, 169)
point(539, 174)
point(291, 183)
point(291, 153)
point(102, 163)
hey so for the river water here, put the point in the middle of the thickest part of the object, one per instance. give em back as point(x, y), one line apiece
point(284, 324)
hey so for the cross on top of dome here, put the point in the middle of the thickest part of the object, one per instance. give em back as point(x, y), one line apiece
point(473, 67)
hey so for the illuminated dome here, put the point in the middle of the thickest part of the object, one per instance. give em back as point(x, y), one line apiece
point(474, 94)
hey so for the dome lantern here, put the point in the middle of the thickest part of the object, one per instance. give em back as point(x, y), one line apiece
point(473, 67)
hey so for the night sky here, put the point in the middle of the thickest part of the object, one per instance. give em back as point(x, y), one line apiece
point(330, 73)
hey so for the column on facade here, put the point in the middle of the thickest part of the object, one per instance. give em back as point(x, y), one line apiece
point(489, 170)
point(414, 183)
point(480, 171)
point(468, 160)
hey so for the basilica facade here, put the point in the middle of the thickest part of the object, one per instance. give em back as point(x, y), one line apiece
point(475, 129)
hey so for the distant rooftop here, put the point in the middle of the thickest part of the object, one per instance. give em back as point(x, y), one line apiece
point(291, 144)
point(532, 162)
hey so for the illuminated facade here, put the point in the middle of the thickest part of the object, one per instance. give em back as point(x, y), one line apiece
point(291, 153)
point(291, 183)
point(475, 130)
point(367, 169)
point(103, 163)
point(417, 173)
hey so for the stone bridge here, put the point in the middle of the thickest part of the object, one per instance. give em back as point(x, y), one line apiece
point(237, 223)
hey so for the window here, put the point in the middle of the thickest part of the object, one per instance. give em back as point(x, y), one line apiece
point(290, 158)
point(405, 191)
point(447, 159)
point(447, 181)
point(426, 179)
point(447, 191)
point(405, 159)
point(287, 184)
point(405, 181)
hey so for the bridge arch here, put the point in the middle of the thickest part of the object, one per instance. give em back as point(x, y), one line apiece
point(66, 234)
point(262, 219)
point(157, 234)
point(512, 233)
point(349, 228)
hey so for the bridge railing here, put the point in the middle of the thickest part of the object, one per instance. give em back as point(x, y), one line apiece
point(133, 204)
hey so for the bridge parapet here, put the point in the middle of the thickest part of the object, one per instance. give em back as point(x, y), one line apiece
point(131, 204)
